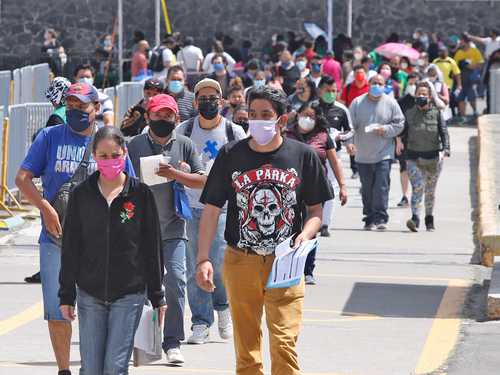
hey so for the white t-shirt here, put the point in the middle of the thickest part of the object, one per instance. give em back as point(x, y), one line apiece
point(168, 58)
point(106, 107)
point(189, 56)
point(208, 143)
point(207, 63)
point(490, 46)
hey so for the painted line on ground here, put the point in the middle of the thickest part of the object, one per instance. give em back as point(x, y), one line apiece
point(445, 329)
point(344, 316)
point(22, 318)
point(381, 277)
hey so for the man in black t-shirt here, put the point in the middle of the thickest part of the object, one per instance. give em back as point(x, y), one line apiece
point(265, 179)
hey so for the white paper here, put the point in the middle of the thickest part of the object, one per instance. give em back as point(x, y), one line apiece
point(148, 334)
point(149, 168)
point(289, 264)
point(371, 128)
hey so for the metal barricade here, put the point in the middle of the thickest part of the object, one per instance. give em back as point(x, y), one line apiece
point(30, 83)
point(16, 76)
point(25, 120)
point(41, 80)
point(5, 78)
point(128, 94)
point(494, 91)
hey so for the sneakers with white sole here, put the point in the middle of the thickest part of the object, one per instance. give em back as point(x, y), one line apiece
point(225, 324)
point(200, 335)
point(175, 357)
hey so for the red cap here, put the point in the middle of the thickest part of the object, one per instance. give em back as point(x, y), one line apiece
point(161, 101)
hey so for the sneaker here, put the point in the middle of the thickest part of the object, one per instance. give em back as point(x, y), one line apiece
point(381, 226)
point(429, 223)
point(355, 175)
point(413, 223)
point(369, 226)
point(309, 279)
point(174, 356)
point(63, 372)
point(200, 335)
point(225, 324)
point(33, 279)
point(404, 202)
point(324, 232)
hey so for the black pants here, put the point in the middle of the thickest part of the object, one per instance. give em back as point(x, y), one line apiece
point(310, 263)
point(354, 166)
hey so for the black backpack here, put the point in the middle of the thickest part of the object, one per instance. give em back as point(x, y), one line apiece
point(229, 129)
point(156, 59)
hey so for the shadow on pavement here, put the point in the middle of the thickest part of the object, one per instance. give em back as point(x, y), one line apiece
point(396, 300)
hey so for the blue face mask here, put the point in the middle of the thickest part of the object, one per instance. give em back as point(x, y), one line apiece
point(316, 68)
point(259, 83)
point(218, 67)
point(77, 120)
point(301, 65)
point(175, 87)
point(376, 90)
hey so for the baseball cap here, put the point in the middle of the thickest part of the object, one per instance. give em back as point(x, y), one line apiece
point(84, 92)
point(153, 83)
point(207, 82)
point(162, 101)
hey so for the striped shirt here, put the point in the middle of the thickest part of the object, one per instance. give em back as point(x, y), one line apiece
point(185, 102)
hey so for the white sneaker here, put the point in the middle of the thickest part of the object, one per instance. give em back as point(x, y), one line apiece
point(174, 356)
point(200, 335)
point(225, 324)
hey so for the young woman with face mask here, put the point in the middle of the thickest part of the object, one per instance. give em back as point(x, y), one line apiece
point(111, 258)
point(426, 140)
point(310, 128)
point(391, 86)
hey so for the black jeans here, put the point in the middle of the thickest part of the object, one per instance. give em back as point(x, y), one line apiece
point(375, 184)
point(354, 165)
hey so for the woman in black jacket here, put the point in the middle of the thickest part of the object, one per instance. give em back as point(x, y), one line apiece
point(111, 251)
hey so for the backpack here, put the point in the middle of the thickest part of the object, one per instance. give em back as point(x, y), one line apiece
point(229, 129)
point(156, 59)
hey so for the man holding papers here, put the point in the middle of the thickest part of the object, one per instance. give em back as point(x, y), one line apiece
point(159, 157)
point(266, 180)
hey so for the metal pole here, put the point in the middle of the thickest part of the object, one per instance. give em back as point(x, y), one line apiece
point(157, 22)
point(120, 40)
point(330, 24)
point(349, 18)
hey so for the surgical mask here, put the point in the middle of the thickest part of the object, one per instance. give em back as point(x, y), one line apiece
point(87, 80)
point(208, 109)
point(259, 83)
point(358, 56)
point(328, 97)
point(218, 67)
point(432, 78)
point(410, 89)
point(301, 64)
point(404, 65)
point(376, 91)
point(422, 101)
point(77, 120)
point(316, 68)
point(306, 124)
point(110, 169)
point(421, 62)
point(162, 128)
point(175, 87)
point(262, 131)
point(386, 73)
point(359, 76)
point(285, 64)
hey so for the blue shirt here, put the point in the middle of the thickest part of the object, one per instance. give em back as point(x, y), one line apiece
point(54, 156)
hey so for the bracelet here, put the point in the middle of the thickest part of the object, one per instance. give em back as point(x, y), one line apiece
point(202, 261)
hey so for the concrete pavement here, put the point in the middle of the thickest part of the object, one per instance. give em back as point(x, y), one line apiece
point(386, 303)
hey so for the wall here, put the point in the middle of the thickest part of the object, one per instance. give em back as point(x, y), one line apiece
point(82, 22)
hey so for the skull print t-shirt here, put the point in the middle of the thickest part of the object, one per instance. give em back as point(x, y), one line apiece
point(265, 192)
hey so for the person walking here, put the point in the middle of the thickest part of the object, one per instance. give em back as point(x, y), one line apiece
point(111, 263)
point(176, 87)
point(266, 180)
point(425, 136)
point(377, 119)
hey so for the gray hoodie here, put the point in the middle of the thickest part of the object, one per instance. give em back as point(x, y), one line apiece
point(371, 147)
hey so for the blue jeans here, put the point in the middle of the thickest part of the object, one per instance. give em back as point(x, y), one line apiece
point(107, 332)
point(375, 184)
point(50, 266)
point(174, 257)
point(201, 303)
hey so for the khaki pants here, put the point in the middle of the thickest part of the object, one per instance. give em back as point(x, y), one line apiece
point(245, 277)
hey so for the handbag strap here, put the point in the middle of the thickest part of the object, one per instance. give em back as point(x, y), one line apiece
point(81, 172)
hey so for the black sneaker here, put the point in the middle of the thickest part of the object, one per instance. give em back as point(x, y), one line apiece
point(404, 202)
point(429, 223)
point(413, 223)
point(33, 279)
point(64, 372)
point(324, 232)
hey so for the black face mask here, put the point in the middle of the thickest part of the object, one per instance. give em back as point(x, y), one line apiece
point(422, 101)
point(208, 109)
point(162, 128)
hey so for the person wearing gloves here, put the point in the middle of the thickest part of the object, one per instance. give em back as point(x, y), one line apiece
point(110, 263)
point(425, 136)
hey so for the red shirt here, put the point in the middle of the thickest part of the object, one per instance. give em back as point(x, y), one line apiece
point(354, 92)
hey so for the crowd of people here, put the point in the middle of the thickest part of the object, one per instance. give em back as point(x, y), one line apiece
point(248, 156)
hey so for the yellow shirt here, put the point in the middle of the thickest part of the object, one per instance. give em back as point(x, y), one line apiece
point(449, 68)
point(471, 54)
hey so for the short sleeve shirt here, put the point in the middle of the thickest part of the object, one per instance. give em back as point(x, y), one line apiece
point(265, 192)
point(449, 68)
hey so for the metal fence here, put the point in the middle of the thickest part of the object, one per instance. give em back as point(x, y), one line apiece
point(24, 121)
point(494, 91)
point(128, 94)
point(5, 78)
point(30, 83)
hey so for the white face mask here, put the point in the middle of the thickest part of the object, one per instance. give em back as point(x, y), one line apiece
point(404, 65)
point(410, 89)
point(88, 81)
point(306, 124)
point(262, 131)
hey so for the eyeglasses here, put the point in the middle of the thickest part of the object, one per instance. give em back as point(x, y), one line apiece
point(211, 98)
